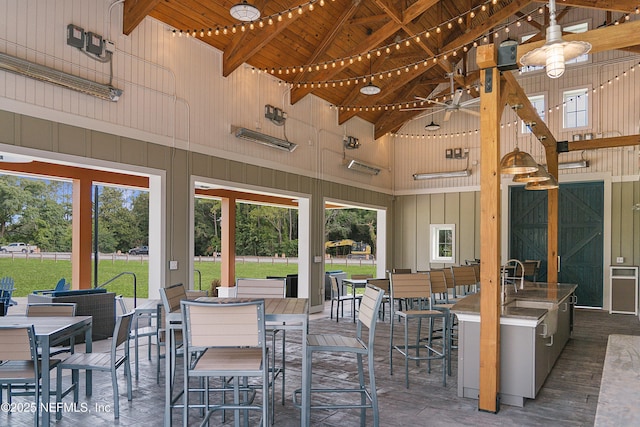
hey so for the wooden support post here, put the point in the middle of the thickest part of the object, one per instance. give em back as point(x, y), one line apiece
point(81, 233)
point(228, 242)
point(552, 218)
point(491, 111)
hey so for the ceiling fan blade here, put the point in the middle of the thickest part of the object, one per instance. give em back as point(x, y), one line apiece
point(430, 113)
point(447, 115)
point(470, 102)
point(473, 113)
point(416, 109)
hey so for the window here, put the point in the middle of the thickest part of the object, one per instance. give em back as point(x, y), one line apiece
point(575, 29)
point(575, 108)
point(443, 246)
point(538, 103)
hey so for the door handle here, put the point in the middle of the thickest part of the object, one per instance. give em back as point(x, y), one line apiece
point(558, 263)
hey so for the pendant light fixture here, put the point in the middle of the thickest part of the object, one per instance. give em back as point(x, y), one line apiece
point(550, 184)
point(432, 126)
point(370, 88)
point(517, 162)
point(555, 51)
point(537, 176)
point(244, 11)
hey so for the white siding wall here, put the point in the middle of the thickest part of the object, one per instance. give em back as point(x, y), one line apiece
point(615, 112)
point(174, 93)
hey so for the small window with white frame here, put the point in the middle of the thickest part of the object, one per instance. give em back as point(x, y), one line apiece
point(538, 102)
point(443, 243)
point(575, 108)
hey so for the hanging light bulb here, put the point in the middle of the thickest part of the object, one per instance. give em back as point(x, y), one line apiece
point(555, 51)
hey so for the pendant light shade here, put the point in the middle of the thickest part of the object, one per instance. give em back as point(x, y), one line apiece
point(549, 184)
point(555, 51)
point(432, 126)
point(369, 89)
point(538, 176)
point(517, 162)
point(244, 11)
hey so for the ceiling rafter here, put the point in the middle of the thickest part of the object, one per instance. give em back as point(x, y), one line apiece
point(367, 20)
point(396, 83)
point(237, 57)
point(325, 44)
point(134, 12)
point(372, 41)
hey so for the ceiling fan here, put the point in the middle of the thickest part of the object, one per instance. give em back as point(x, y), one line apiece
point(451, 106)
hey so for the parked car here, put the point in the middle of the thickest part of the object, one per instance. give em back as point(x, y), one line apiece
point(139, 250)
point(19, 247)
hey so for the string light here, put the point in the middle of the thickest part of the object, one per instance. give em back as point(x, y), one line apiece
point(550, 110)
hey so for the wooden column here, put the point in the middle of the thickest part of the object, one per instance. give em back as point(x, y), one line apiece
point(81, 232)
point(228, 242)
point(491, 111)
point(552, 218)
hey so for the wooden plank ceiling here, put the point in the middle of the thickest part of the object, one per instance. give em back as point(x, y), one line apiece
point(331, 48)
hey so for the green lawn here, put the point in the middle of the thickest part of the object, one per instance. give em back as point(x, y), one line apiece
point(32, 274)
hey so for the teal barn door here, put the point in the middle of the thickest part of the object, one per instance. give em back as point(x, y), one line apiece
point(580, 235)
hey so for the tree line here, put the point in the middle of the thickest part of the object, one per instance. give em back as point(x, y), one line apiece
point(39, 212)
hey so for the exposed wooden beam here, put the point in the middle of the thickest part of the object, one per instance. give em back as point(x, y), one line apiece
point(134, 12)
point(527, 112)
point(532, 23)
point(43, 169)
point(248, 49)
point(616, 141)
point(614, 5)
point(475, 32)
point(241, 196)
point(374, 40)
point(329, 38)
point(601, 39)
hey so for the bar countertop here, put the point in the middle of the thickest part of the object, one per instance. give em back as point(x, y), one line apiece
point(539, 292)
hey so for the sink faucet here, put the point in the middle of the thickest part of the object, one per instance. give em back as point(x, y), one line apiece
point(508, 273)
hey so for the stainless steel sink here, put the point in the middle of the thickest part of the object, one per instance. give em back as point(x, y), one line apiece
point(550, 319)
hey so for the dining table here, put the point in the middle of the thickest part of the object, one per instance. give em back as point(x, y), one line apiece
point(354, 284)
point(285, 313)
point(52, 331)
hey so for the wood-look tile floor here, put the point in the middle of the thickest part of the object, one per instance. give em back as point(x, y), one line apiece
point(568, 397)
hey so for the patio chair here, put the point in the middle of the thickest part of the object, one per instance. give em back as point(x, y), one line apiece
point(225, 340)
point(6, 292)
point(464, 278)
point(62, 285)
point(268, 288)
point(415, 289)
point(106, 362)
point(338, 296)
point(20, 364)
point(54, 309)
point(148, 331)
point(356, 345)
point(384, 285)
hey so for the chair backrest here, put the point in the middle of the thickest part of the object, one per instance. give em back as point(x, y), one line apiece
point(171, 297)
point(7, 284)
point(448, 276)
point(401, 270)
point(411, 285)
point(62, 285)
point(18, 343)
point(196, 293)
point(336, 289)
point(223, 324)
point(260, 288)
point(51, 309)
point(438, 282)
point(361, 276)
point(464, 275)
point(368, 312)
point(380, 283)
point(530, 269)
point(121, 332)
